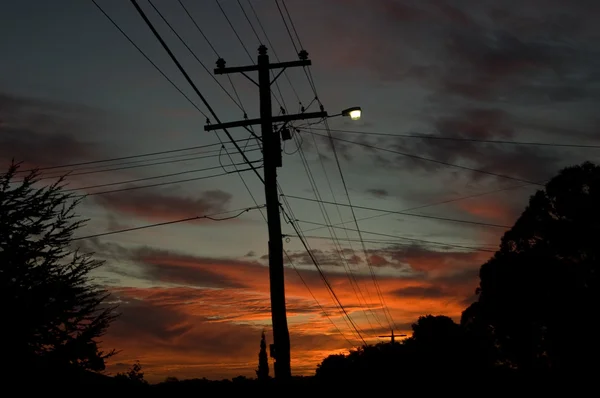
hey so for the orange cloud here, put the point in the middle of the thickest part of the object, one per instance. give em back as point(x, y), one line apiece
point(489, 209)
point(205, 315)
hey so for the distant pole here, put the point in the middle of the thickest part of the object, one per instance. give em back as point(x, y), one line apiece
point(393, 336)
point(271, 142)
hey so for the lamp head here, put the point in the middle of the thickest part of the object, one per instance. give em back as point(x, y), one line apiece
point(354, 112)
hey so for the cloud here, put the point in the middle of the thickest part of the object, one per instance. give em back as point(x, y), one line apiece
point(173, 331)
point(475, 69)
point(158, 205)
point(421, 291)
point(378, 192)
point(171, 267)
point(203, 316)
point(45, 133)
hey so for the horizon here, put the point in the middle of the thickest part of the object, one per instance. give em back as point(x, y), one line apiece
point(508, 90)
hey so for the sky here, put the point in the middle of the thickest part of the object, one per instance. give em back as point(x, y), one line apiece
point(194, 296)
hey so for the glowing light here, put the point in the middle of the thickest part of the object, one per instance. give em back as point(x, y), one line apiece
point(355, 115)
point(354, 112)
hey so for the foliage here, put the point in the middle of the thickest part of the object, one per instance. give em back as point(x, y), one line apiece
point(437, 346)
point(52, 311)
point(545, 274)
point(262, 373)
point(135, 375)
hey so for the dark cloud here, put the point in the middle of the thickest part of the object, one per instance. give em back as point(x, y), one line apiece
point(378, 192)
point(160, 205)
point(44, 133)
point(483, 70)
point(139, 317)
point(170, 267)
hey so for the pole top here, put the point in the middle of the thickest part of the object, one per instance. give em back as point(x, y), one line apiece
point(262, 50)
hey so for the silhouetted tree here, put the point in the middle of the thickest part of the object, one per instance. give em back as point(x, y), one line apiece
point(134, 375)
point(52, 312)
point(436, 347)
point(538, 294)
point(262, 373)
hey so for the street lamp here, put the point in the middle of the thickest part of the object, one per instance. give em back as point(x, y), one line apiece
point(354, 112)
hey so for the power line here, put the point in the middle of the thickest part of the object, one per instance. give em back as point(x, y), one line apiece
point(192, 84)
point(134, 166)
point(461, 139)
point(351, 325)
point(146, 178)
point(392, 241)
point(250, 23)
point(292, 23)
point(386, 310)
point(208, 217)
point(239, 103)
point(323, 277)
point(234, 31)
point(182, 70)
point(198, 28)
point(404, 213)
point(262, 28)
point(198, 59)
point(148, 58)
point(164, 183)
point(315, 298)
point(348, 270)
point(404, 237)
point(119, 158)
point(425, 159)
point(286, 27)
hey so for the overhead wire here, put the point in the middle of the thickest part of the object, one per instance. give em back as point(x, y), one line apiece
point(131, 165)
point(119, 158)
point(160, 224)
point(286, 26)
point(410, 155)
point(192, 84)
point(399, 241)
point(260, 42)
point(386, 311)
point(292, 23)
point(352, 324)
point(348, 270)
point(332, 231)
point(460, 139)
point(242, 42)
point(479, 223)
point(164, 183)
point(148, 59)
point(235, 91)
point(239, 104)
point(311, 82)
point(147, 178)
point(417, 240)
point(460, 198)
point(272, 47)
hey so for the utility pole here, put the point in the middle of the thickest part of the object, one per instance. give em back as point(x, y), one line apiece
point(393, 336)
point(272, 158)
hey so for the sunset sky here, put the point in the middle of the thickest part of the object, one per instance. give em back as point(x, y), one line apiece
point(194, 296)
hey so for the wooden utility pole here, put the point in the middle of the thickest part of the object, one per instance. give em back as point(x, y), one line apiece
point(271, 142)
point(393, 336)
